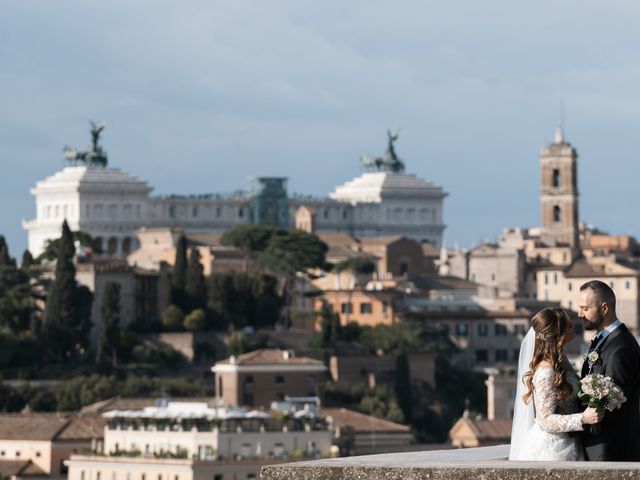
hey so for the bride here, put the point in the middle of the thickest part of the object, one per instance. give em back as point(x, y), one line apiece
point(546, 406)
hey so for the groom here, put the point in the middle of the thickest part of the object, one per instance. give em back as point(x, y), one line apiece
point(618, 356)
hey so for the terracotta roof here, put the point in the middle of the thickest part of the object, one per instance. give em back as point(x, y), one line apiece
point(490, 429)
point(337, 238)
point(50, 426)
point(211, 239)
point(583, 269)
point(270, 356)
point(436, 282)
point(380, 240)
point(20, 468)
point(360, 422)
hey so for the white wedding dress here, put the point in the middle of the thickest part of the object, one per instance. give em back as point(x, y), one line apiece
point(541, 428)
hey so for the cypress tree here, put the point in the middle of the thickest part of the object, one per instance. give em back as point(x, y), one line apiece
point(27, 259)
point(402, 386)
point(110, 316)
point(60, 314)
point(179, 276)
point(15, 301)
point(194, 285)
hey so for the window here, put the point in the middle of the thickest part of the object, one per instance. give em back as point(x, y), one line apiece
point(501, 355)
point(546, 278)
point(218, 212)
point(248, 380)
point(482, 356)
point(219, 386)
point(519, 329)
point(82, 475)
point(556, 214)
point(385, 304)
point(251, 476)
point(2, 453)
point(278, 450)
point(241, 212)
point(462, 329)
point(404, 268)
point(344, 214)
point(99, 476)
point(569, 286)
point(627, 285)
point(194, 212)
point(501, 330)
point(555, 181)
point(325, 214)
point(365, 308)
point(279, 380)
point(218, 476)
point(18, 453)
point(555, 278)
point(346, 308)
point(493, 277)
point(37, 454)
point(516, 354)
point(245, 450)
point(482, 330)
point(248, 399)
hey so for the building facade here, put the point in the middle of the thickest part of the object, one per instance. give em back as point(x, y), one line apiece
point(110, 205)
point(263, 376)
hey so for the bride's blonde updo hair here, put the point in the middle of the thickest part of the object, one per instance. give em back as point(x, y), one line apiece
point(550, 326)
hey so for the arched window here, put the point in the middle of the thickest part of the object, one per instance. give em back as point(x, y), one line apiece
point(126, 245)
point(98, 243)
point(112, 246)
point(556, 178)
point(556, 214)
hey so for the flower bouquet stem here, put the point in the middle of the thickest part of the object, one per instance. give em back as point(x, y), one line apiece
point(596, 428)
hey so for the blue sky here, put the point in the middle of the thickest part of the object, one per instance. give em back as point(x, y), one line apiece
point(201, 95)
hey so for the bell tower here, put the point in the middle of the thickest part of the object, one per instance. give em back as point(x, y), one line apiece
point(559, 192)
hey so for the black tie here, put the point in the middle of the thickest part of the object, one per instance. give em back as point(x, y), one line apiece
point(594, 342)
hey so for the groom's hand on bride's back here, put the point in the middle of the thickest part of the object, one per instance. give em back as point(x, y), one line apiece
point(591, 416)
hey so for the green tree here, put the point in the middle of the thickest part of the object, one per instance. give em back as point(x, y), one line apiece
point(65, 322)
point(195, 288)
point(52, 247)
point(179, 275)
point(110, 316)
point(290, 252)
point(172, 317)
point(402, 386)
point(27, 259)
point(16, 302)
point(195, 321)
point(250, 239)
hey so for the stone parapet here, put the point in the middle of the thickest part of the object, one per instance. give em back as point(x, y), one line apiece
point(486, 463)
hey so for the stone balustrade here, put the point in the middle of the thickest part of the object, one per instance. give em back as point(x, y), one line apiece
point(485, 463)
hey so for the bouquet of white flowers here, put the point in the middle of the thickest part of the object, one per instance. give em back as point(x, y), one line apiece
point(600, 392)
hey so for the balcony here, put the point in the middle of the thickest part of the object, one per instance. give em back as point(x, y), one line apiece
point(484, 463)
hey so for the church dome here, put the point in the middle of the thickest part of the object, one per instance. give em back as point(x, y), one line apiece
point(373, 187)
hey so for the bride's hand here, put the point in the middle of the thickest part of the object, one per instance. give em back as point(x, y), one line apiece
point(591, 416)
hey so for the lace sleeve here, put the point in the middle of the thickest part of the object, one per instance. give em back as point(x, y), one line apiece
point(546, 403)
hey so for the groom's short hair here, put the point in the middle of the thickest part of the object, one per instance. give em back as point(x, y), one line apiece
point(601, 291)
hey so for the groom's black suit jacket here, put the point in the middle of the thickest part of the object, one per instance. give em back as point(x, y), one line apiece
point(620, 437)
